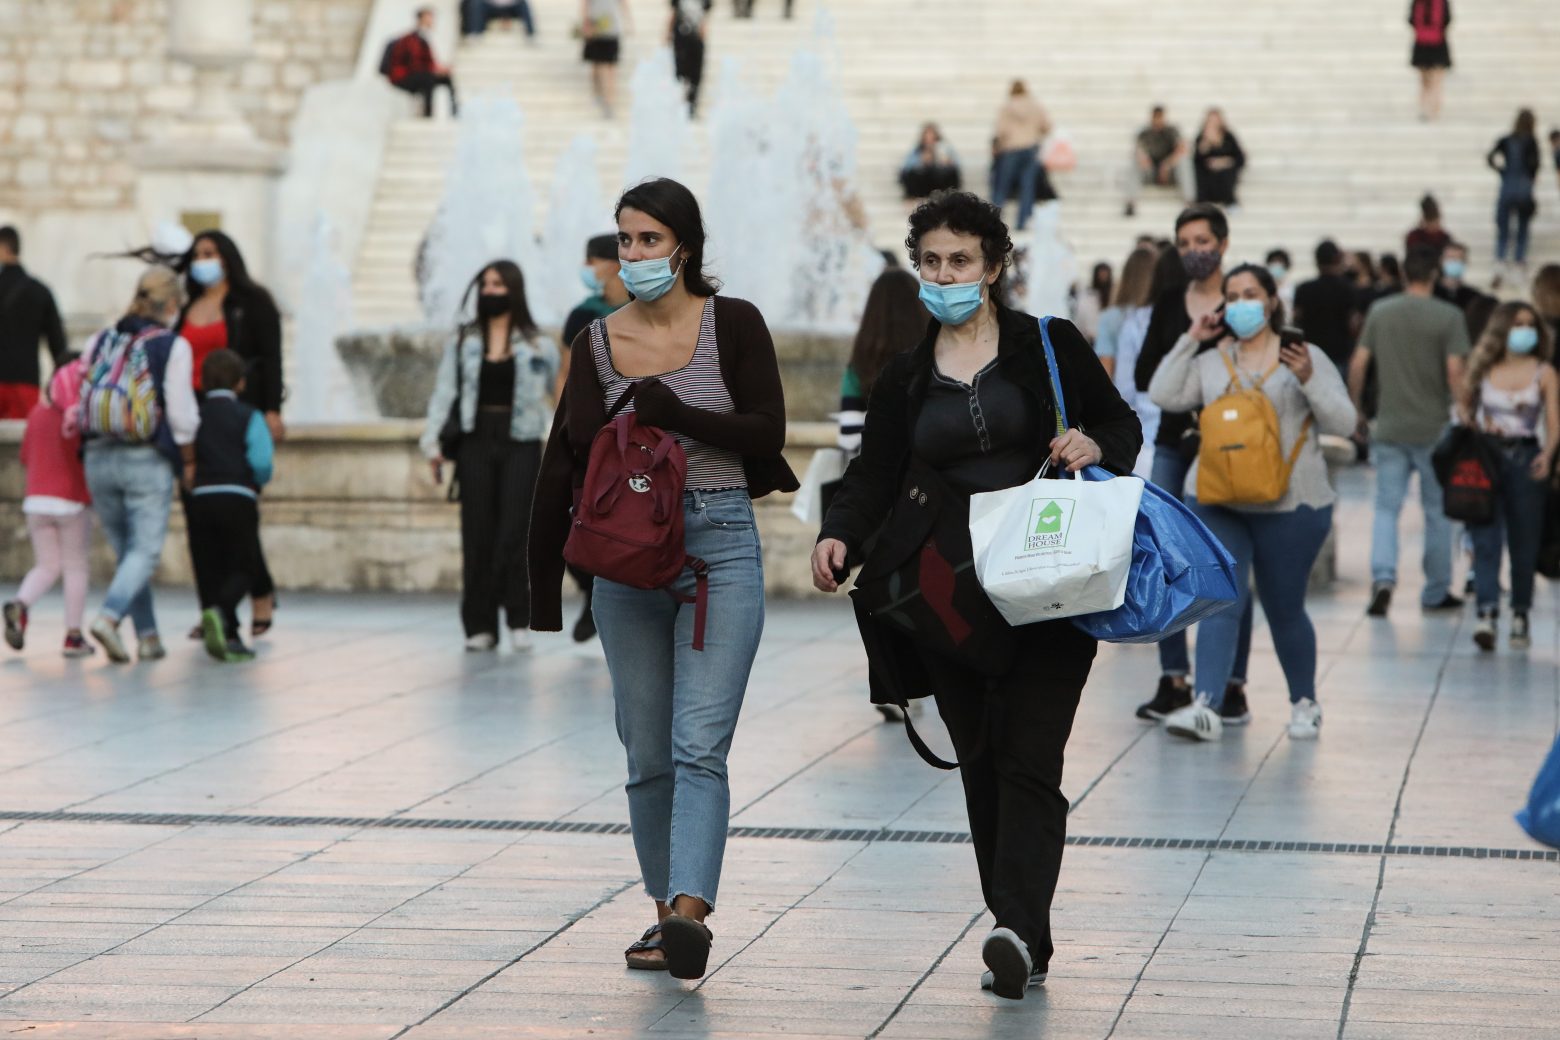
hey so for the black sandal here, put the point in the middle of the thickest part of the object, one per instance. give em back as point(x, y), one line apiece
point(687, 944)
point(647, 943)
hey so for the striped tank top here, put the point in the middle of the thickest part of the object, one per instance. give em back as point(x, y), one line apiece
point(698, 385)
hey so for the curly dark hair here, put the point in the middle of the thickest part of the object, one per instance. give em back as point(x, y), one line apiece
point(968, 214)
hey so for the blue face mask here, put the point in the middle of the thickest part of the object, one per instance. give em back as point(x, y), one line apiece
point(1522, 340)
point(206, 272)
point(1279, 272)
point(592, 280)
point(952, 304)
point(649, 280)
point(1245, 318)
point(1454, 269)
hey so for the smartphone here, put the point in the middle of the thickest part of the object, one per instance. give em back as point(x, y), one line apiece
point(1289, 336)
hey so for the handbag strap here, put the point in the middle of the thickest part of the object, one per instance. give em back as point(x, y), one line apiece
point(1056, 380)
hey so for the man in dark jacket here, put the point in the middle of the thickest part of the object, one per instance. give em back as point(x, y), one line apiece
point(409, 65)
point(27, 315)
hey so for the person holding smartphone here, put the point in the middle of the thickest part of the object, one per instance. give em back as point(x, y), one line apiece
point(1278, 540)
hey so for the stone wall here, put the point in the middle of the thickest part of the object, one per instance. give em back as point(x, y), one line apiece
point(354, 507)
point(84, 81)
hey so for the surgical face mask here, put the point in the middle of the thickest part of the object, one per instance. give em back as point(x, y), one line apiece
point(649, 280)
point(592, 280)
point(1278, 271)
point(1201, 263)
point(206, 272)
point(953, 304)
point(1522, 340)
point(1245, 318)
point(1454, 269)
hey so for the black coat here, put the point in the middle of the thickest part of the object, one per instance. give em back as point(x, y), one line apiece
point(254, 330)
point(28, 315)
point(864, 508)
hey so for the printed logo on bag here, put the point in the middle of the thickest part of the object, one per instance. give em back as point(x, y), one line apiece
point(1050, 521)
point(639, 483)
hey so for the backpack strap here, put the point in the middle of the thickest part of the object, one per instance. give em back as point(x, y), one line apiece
point(1056, 379)
point(1294, 453)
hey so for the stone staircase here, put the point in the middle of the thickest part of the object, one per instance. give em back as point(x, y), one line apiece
point(1320, 95)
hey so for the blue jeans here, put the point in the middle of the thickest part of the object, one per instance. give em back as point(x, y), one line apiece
point(1170, 470)
point(1016, 173)
point(677, 707)
point(1281, 548)
point(132, 492)
point(1394, 463)
point(1519, 523)
point(1507, 209)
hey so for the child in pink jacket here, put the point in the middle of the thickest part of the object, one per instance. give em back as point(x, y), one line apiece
point(55, 503)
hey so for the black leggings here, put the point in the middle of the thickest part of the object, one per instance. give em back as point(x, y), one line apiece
point(424, 83)
point(497, 481)
point(225, 545)
point(1013, 776)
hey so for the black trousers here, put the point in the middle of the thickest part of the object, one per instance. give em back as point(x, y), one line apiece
point(497, 482)
point(260, 585)
point(424, 83)
point(688, 59)
point(1011, 744)
point(225, 545)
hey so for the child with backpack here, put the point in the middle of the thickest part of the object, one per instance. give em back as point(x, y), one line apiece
point(138, 421)
point(233, 451)
point(1260, 481)
point(56, 504)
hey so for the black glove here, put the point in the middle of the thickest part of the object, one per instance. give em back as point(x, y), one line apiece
point(656, 405)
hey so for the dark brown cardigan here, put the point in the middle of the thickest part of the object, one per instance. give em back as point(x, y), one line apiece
point(755, 430)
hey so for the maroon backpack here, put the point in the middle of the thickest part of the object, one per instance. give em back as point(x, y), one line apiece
point(628, 520)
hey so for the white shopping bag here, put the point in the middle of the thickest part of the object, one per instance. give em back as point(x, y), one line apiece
point(1055, 548)
point(827, 465)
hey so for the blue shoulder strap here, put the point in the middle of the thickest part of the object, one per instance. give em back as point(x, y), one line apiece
point(1056, 380)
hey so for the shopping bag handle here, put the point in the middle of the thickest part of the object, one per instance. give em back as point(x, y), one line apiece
point(1056, 380)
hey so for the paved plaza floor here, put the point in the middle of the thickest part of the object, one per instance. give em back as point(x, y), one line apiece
point(370, 834)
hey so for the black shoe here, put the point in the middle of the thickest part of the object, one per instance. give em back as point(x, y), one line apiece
point(1235, 711)
point(1451, 602)
point(1470, 587)
point(1380, 601)
point(1129, 211)
point(1170, 696)
point(585, 627)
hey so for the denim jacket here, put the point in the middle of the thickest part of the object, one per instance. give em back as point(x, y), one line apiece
point(536, 370)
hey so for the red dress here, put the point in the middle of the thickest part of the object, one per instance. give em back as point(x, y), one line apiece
point(203, 339)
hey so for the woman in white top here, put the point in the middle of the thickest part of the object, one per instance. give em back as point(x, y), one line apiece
point(1278, 541)
point(1511, 390)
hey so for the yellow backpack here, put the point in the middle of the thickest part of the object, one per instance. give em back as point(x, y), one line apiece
point(1241, 461)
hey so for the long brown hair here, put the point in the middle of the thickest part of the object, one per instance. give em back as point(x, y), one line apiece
point(1491, 349)
point(1546, 292)
point(894, 320)
point(1137, 276)
point(1526, 124)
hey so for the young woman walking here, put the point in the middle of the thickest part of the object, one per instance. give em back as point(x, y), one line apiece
point(703, 368)
point(498, 372)
point(1512, 393)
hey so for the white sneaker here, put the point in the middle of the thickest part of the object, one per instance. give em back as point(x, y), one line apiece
point(481, 641)
point(520, 641)
point(1008, 960)
point(1196, 721)
point(1305, 720)
point(1484, 632)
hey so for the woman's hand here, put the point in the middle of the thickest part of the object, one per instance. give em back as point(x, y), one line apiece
point(1542, 462)
point(1297, 357)
point(1210, 327)
point(437, 465)
point(273, 421)
point(828, 557)
point(1075, 451)
point(655, 404)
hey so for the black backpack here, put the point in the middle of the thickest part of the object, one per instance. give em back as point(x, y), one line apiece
point(384, 60)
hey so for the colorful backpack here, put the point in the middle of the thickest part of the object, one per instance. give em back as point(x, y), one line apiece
point(119, 396)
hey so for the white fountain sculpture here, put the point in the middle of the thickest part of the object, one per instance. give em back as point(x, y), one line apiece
point(576, 211)
point(320, 390)
point(783, 212)
point(658, 135)
point(487, 212)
